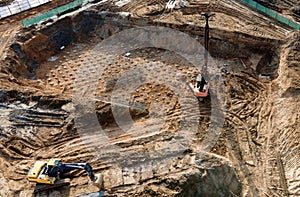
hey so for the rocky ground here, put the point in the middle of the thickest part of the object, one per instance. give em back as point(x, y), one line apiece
point(70, 102)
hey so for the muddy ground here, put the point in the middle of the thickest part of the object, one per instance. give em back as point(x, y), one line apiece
point(62, 97)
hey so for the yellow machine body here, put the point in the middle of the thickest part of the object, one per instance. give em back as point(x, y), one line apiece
point(37, 172)
point(47, 175)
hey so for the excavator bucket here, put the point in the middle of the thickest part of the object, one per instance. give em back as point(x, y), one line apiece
point(98, 181)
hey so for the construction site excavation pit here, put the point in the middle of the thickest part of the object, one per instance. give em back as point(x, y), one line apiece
point(90, 94)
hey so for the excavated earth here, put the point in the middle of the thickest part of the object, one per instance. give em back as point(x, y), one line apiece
point(62, 96)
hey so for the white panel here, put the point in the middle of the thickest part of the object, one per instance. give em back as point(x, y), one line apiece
point(14, 8)
point(4, 12)
point(24, 5)
point(44, 1)
point(19, 6)
point(34, 3)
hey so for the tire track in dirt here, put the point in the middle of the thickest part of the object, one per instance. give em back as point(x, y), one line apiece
point(257, 24)
point(252, 153)
point(6, 36)
point(246, 143)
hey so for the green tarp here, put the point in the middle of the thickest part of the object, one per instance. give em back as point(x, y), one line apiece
point(51, 13)
point(272, 14)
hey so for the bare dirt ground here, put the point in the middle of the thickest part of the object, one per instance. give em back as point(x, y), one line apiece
point(5, 2)
point(256, 152)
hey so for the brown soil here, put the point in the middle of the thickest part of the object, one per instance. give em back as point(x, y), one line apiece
point(257, 150)
point(5, 2)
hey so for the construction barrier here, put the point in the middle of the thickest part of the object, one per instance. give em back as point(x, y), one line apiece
point(19, 6)
point(57, 11)
point(272, 14)
point(76, 3)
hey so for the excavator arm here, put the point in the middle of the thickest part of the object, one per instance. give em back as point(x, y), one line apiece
point(62, 168)
point(47, 175)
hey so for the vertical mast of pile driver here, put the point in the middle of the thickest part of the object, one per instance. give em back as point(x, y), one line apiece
point(206, 40)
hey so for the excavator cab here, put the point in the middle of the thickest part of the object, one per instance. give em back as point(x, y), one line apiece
point(39, 172)
point(47, 175)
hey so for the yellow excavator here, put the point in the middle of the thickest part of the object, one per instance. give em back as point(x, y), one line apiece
point(47, 175)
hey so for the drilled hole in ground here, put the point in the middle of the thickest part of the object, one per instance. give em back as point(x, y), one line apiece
point(48, 53)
